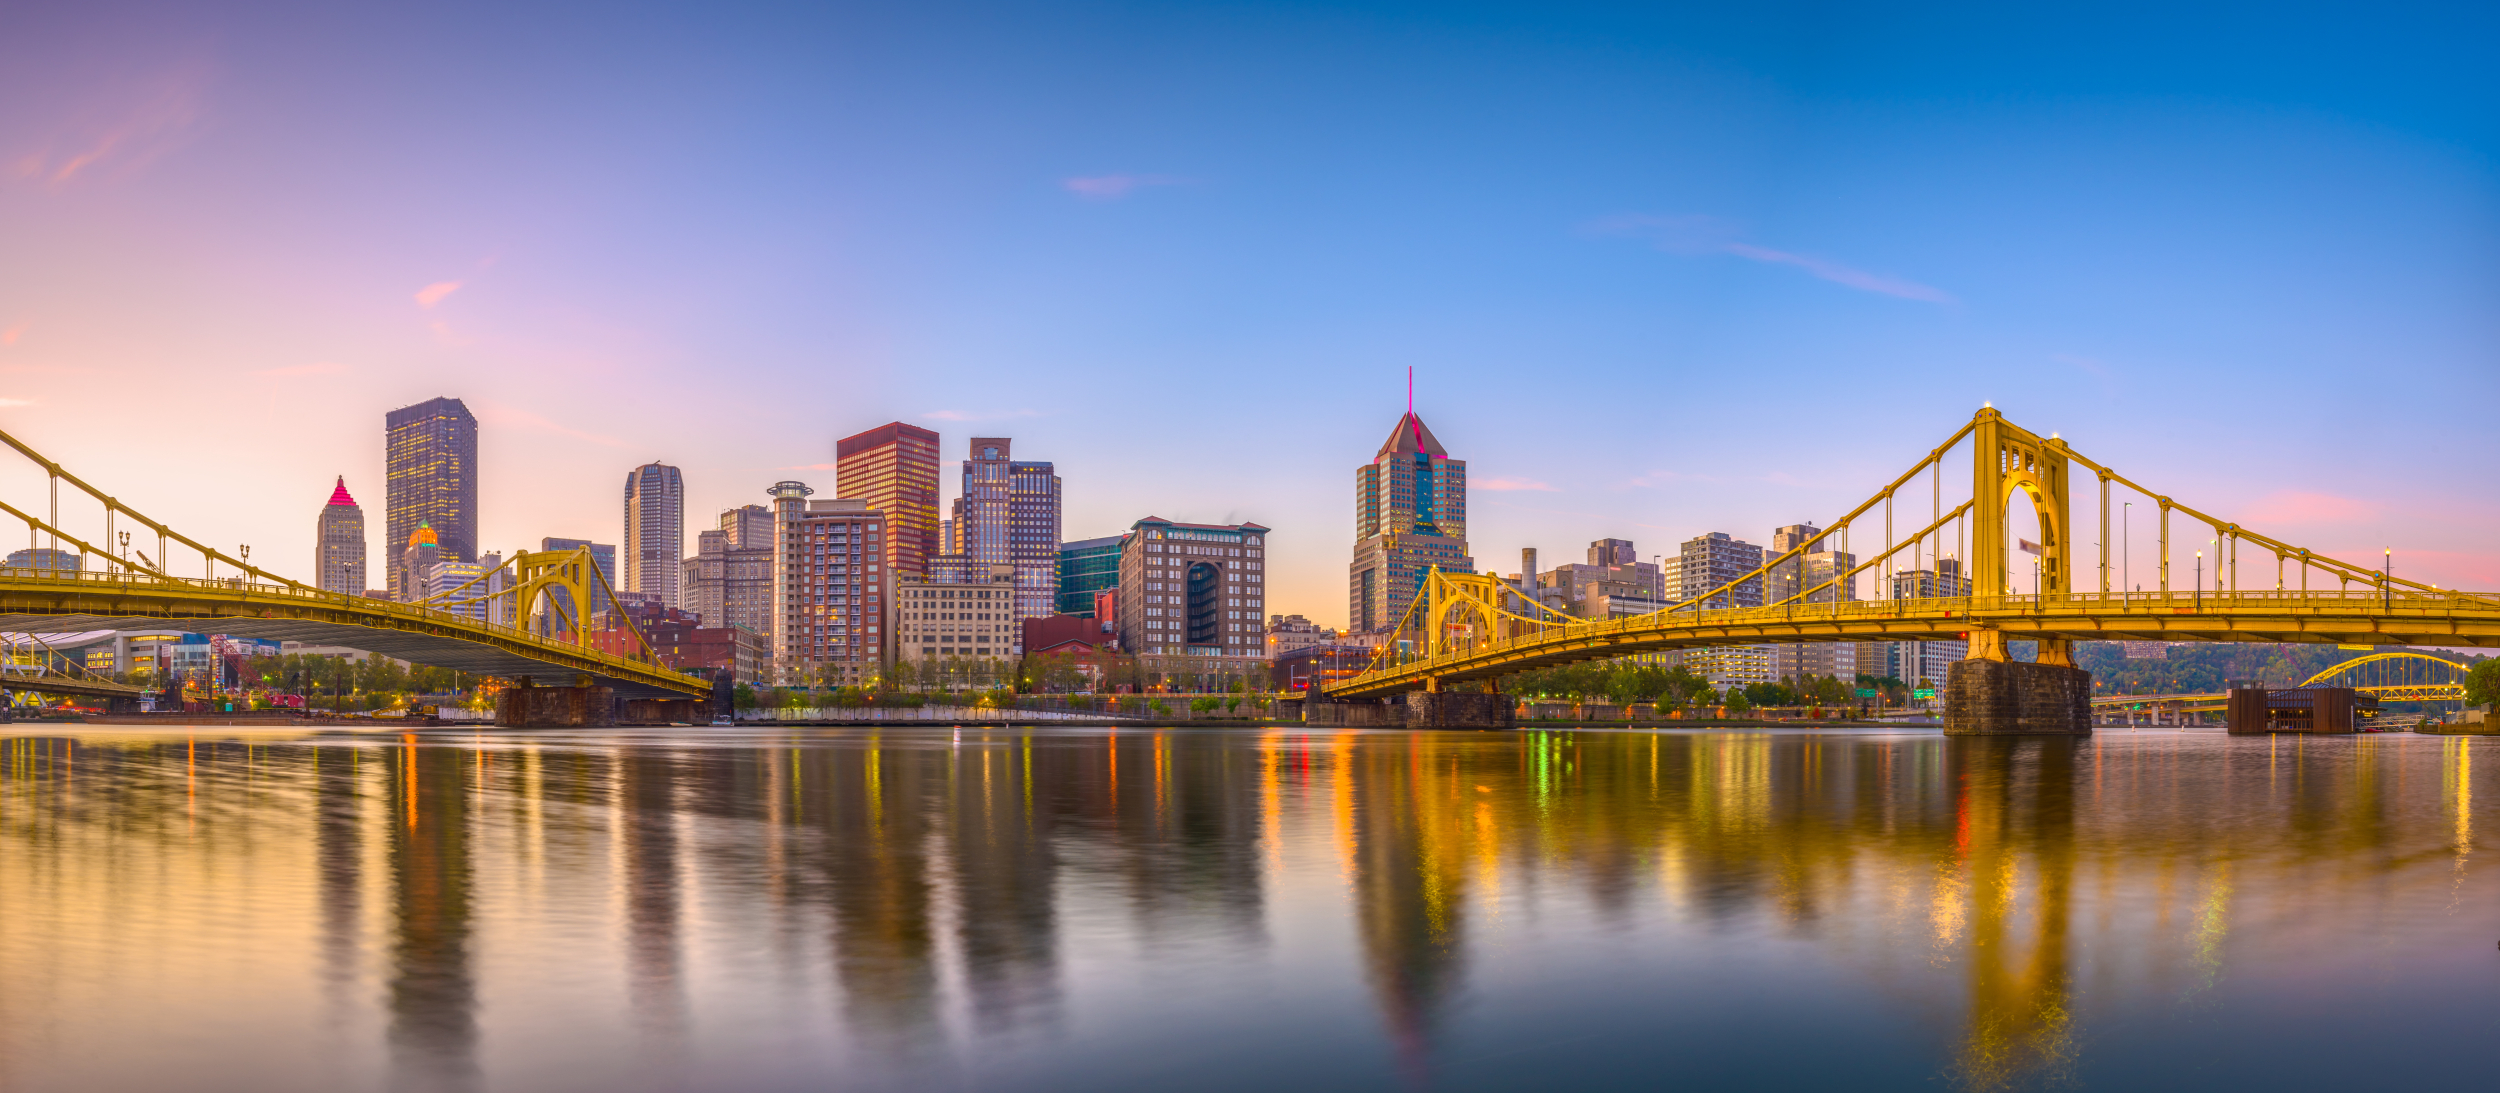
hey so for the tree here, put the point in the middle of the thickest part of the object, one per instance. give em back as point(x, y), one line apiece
point(2482, 682)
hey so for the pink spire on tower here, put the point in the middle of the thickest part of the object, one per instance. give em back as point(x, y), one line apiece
point(339, 496)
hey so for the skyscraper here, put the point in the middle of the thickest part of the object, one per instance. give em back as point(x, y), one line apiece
point(339, 548)
point(1008, 513)
point(655, 531)
point(602, 558)
point(1806, 574)
point(430, 465)
point(893, 468)
point(1410, 516)
point(830, 585)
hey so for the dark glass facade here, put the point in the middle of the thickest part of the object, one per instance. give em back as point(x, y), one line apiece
point(430, 459)
point(1087, 566)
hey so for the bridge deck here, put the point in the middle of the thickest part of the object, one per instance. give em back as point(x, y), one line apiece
point(2349, 618)
point(49, 602)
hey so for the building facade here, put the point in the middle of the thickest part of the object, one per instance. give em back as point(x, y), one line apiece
point(893, 469)
point(1912, 662)
point(1410, 517)
point(1193, 589)
point(339, 544)
point(1612, 578)
point(1286, 633)
point(938, 622)
point(830, 585)
point(602, 601)
point(1008, 512)
point(430, 477)
point(46, 560)
point(1710, 561)
point(1087, 567)
point(655, 532)
point(729, 580)
point(1806, 574)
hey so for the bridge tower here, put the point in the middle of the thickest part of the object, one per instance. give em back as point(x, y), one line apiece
point(1989, 693)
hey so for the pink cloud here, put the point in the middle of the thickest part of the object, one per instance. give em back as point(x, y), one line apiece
point(15, 402)
point(12, 334)
point(496, 413)
point(1113, 187)
point(1711, 235)
point(1510, 482)
point(433, 294)
point(145, 124)
point(2301, 508)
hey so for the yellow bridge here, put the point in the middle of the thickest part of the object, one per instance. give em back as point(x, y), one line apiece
point(134, 590)
point(1471, 628)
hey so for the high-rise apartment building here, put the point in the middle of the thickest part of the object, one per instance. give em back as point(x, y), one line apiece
point(655, 532)
point(1410, 517)
point(1193, 589)
point(830, 588)
point(1087, 567)
point(1712, 561)
point(1613, 582)
point(729, 579)
point(430, 469)
point(339, 544)
point(893, 469)
point(1008, 513)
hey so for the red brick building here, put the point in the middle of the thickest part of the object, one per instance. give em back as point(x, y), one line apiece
point(682, 642)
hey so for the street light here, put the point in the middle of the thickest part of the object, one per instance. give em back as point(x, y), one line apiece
point(2126, 548)
point(2200, 580)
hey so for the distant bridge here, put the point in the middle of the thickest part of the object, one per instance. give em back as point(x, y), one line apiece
point(133, 590)
point(1465, 627)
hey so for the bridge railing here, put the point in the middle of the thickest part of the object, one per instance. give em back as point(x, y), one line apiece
point(2376, 601)
point(127, 580)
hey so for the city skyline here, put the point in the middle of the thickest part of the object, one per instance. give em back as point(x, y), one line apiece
point(1657, 275)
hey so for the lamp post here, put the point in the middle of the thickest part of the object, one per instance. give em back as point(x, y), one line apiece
point(2387, 579)
point(2200, 580)
point(2126, 548)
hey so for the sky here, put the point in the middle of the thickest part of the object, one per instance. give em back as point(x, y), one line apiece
point(1658, 270)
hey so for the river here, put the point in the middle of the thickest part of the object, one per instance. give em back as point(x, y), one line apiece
point(1241, 909)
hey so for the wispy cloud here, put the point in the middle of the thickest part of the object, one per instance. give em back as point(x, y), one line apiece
point(1697, 235)
point(143, 124)
point(979, 415)
point(1114, 187)
point(12, 334)
point(433, 294)
point(2304, 508)
point(1512, 482)
point(322, 368)
point(16, 402)
point(496, 413)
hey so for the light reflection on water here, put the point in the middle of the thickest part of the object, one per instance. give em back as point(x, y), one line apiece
point(1236, 909)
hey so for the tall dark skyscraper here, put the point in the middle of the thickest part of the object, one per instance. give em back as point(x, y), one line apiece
point(1009, 512)
point(430, 460)
point(894, 468)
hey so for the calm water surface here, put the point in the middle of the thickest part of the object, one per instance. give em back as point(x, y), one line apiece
point(1252, 910)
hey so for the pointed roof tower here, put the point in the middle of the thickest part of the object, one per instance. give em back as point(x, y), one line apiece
point(339, 496)
point(1411, 436)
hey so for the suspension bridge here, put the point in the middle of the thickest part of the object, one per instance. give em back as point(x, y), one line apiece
point(546, 642)
point(1950, 579)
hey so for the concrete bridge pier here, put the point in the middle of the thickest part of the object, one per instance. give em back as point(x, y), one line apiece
point(2016, 698)
point(1452, 710)
point(1352, 713)
point(527, 706)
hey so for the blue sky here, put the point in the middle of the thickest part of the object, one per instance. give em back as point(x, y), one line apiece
point(1660, 270)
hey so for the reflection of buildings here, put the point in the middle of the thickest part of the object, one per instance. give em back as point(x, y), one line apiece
point(433, 996)
point(869, 804)
point(1005, 881)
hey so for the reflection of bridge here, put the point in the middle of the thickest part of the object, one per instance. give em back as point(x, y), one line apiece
point(1470, 627)
point(134, 588)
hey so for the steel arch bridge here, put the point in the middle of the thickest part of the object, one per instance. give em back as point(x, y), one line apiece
point(2397, 677)
point(452, 630)
point(1464, 627)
